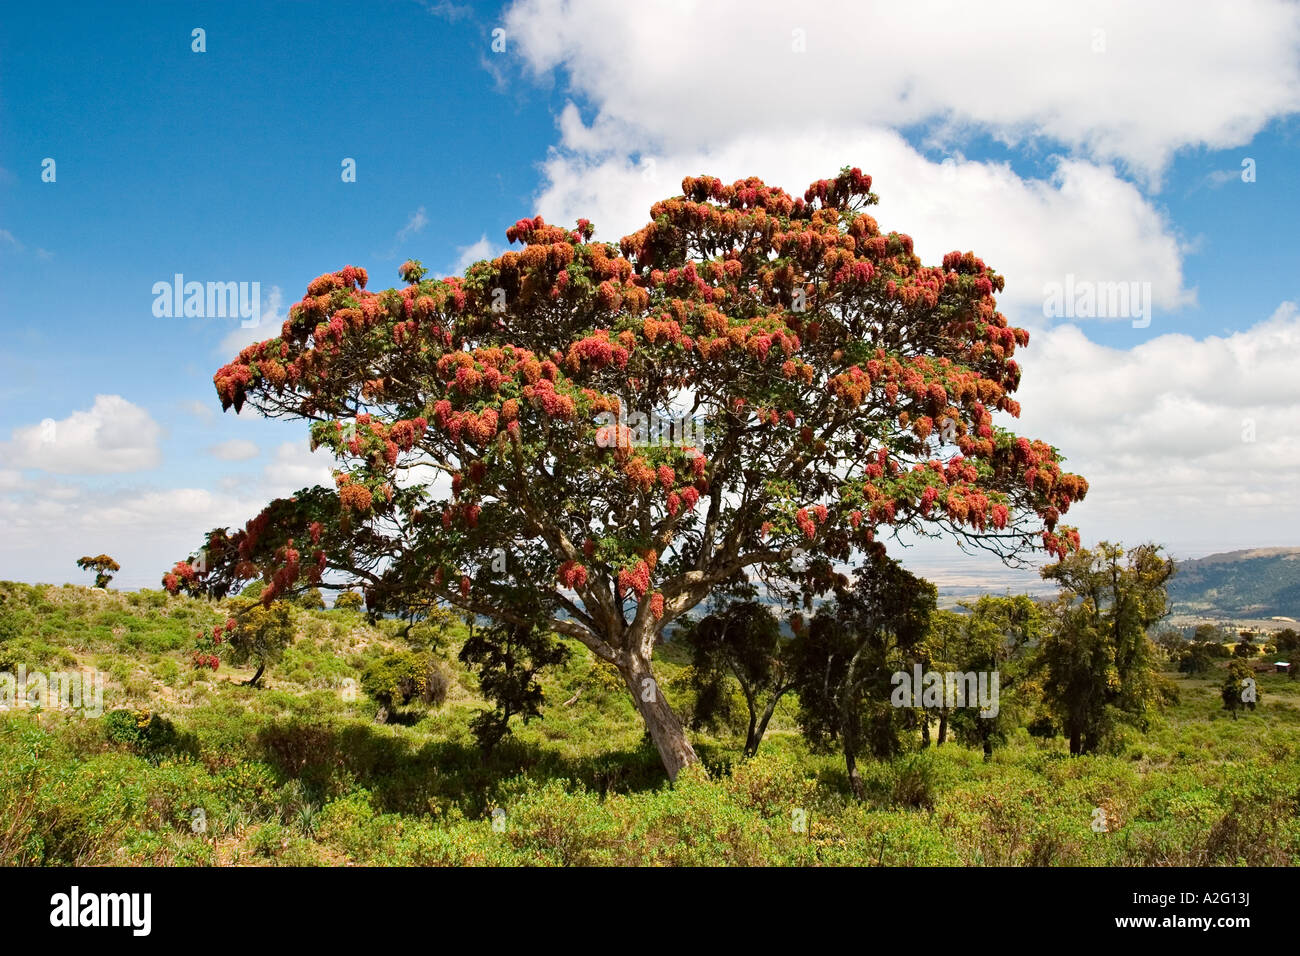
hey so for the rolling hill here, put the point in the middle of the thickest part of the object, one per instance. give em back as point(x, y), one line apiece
point(1259, 582)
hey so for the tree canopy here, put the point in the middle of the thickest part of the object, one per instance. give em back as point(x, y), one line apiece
point(102, 565)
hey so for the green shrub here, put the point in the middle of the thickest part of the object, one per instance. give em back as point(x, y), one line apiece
point(349, 601)
point(399, 678)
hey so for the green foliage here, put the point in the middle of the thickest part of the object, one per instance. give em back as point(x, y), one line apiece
point(396, 679)
point(101, 564)
point(261, 633)
point(996, 636)
point(1240, 690)
point(349, 601)
point(301, 775)
point(1198, 657)
point(144, 732)
point(1097, 660)
point(842, 666)
point(742, 642)
point(310, 599)
point(253, 589)
point(508, 659)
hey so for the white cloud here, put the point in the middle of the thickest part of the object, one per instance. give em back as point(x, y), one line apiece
point(1182, 440)
point(236, 449)
point(145, 528)
point(466, 256)
point(112, 436)
point(1157, 78)
point(198, 409)
point(296, 466)
point(415, 224)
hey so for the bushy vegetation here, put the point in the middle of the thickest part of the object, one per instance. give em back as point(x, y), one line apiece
point(192, 767)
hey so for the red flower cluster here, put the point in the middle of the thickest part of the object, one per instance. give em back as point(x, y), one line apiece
point(201, 660)
point(637, 579)
point(572, 575)
point(182, 573)
point(551, 402)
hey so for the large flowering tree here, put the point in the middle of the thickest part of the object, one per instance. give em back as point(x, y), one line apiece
point(846, 390)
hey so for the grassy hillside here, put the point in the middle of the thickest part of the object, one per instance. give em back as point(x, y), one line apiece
point(298, 772)
point(1258, 583)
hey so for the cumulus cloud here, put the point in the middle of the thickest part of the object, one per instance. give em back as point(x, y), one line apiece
point(145, 529)
point(111, 436)
point(1181, 439)
point(1109, 80)
point(294, 465)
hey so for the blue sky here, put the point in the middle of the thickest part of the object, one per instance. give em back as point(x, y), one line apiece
point(225, 166)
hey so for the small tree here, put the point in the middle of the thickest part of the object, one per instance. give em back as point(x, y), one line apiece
point(843, 665)
point(1240, 691)
point(1197, 658)
point(1171, 641)
point(742, 641)
point(348, 601)
point(1097, 660)
point(996, 637)
point(311, 600)
point(1244, 649)
point(259, 633)
point(944, 640)
point(1287, 640)
point(101, 564)
point(1210, 633)
point(507, 659)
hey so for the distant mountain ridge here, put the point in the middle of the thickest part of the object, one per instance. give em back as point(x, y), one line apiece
point(1255, 582)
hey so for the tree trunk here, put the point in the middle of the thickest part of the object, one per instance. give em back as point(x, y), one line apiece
point(665, 728)
point(988, 749)
point(925, 728)
point(755, 736)
point(1076, 743)
point(855, 779)
point(943, 727)
point(252, 681)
